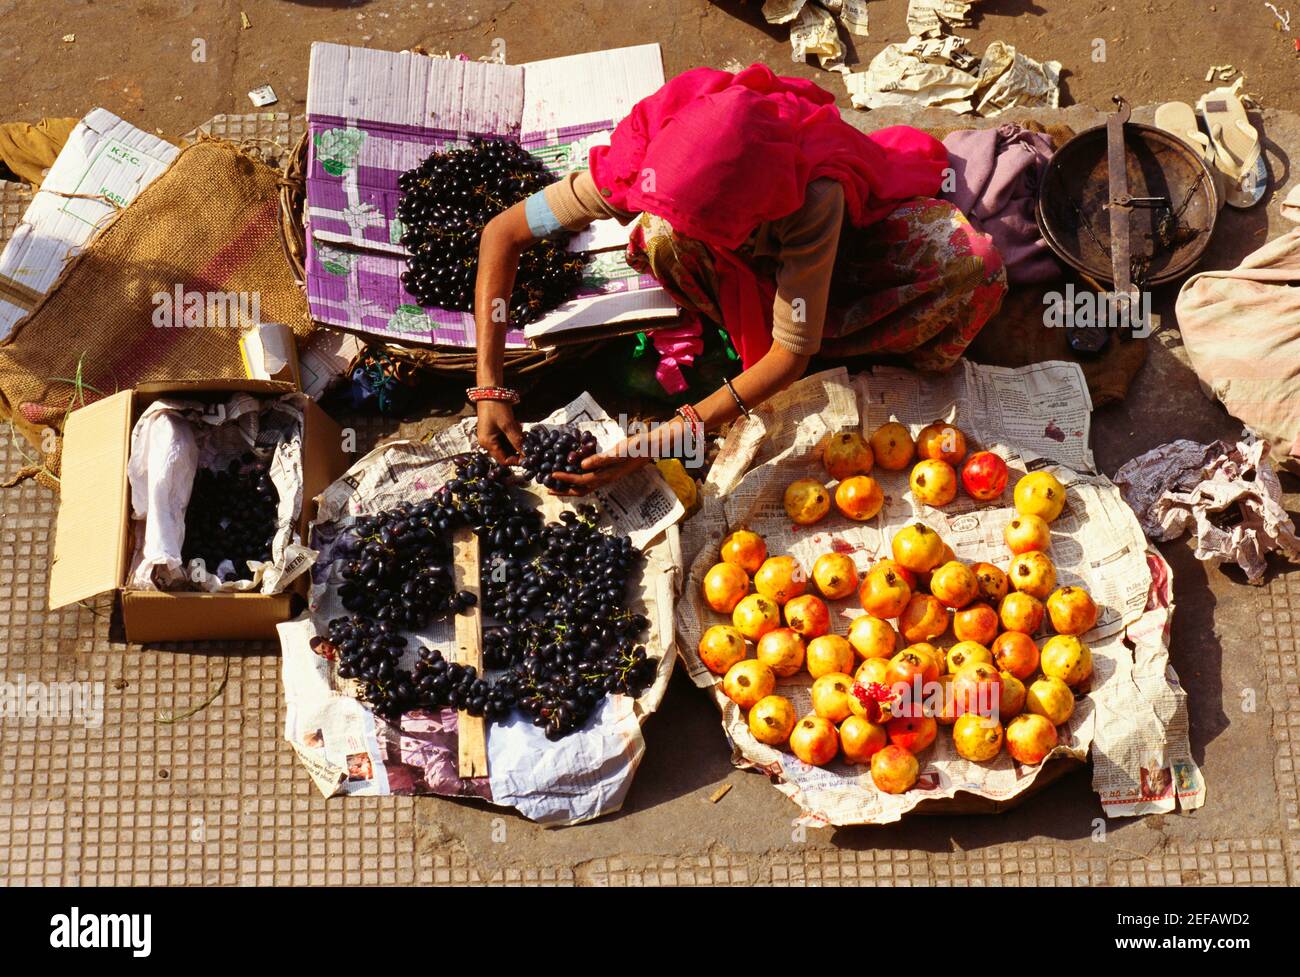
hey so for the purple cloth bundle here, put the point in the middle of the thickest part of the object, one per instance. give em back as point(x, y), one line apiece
point(998, 172)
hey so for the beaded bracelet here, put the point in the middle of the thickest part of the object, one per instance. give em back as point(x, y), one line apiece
point(505, 394)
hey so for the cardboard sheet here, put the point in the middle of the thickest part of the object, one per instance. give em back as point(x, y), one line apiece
point(103, 167)
point(372, 115)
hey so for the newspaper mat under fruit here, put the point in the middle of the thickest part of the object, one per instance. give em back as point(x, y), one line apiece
point(349, 750)
point(1133, 720)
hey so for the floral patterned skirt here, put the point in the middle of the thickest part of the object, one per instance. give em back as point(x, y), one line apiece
point(919, 284)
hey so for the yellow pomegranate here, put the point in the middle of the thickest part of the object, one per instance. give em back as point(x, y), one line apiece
point(967, 653)
point(748, 681)
point(755, 616)
point(894, 770)
point(724, 586)
point(933, 483)
point(781, 579)
point(829, 654)
point(976, 622)
point(993, 582)
point(917, 547)
point(782, 651)
point(1040, 494)
point(1021, 612)
point(772, 719)
point(806, 501)
point(923, 619)
point(808, 615)
point(831, 696)
point(884, 593)
point(872, 637)
point(942, 442)
point(1034, 574)
point(977, 688)
point(745, 549)
point(721, 646)
point(859, 498)
point(1067, 658)
point(873, 670)
point(892, 446)
point(1027, 533)
point(815, 740)
point(861, 739)
point(954, 584)
point(1072, 610)
point(835, 575)
point(847, 454)
point(1051, 698)
point(1030, 738)
point(977, 738)
point(1013, 696)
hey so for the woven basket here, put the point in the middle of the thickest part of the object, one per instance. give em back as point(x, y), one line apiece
point(519, 363)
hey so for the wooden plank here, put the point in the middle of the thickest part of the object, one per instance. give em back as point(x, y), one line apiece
point(471, 730)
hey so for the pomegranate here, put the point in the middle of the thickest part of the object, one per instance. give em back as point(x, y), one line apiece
point(984, 476)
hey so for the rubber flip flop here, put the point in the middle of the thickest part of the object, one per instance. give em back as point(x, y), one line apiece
point(1179, 119)
point(1237, 147)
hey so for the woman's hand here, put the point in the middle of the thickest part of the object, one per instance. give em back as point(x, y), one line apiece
point(609, 466)
point(499, 434)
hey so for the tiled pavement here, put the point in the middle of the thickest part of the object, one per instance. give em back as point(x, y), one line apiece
point(218, 798)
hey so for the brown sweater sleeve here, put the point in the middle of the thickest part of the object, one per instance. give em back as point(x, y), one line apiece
point(808, 240)
point(575, 202)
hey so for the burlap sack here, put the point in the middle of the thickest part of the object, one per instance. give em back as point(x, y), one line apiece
point(209, 225)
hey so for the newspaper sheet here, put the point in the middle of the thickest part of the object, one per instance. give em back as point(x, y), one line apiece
point(172, 440)
point(1133, 717)
point(1228, 495)
point(348, 750)
point(814, 27)
point(925, 17)
point(941, 71)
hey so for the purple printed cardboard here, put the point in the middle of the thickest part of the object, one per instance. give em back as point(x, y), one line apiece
point(371, 115)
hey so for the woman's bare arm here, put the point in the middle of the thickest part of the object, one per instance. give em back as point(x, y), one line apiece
point(505, 237)
point(776, 370)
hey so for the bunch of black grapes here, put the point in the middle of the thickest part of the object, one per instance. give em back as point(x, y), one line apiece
point(231, 516)
point(546, 451)
point(399, 566)
point(446, 202)
point(565, 639)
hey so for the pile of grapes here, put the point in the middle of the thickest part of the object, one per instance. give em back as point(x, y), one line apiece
point(546, 451)
point(446, 202)
point(231, 516)
point(563, 640)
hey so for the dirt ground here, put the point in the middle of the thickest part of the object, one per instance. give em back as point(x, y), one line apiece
point(220, 799)
point(137, 59)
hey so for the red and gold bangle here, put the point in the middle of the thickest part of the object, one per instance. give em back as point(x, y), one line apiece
point(692, 418)
point(475, 394)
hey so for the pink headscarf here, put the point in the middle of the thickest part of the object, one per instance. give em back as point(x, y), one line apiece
point(717, 154)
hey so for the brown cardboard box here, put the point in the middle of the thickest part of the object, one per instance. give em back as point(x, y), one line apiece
point(92, 541)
